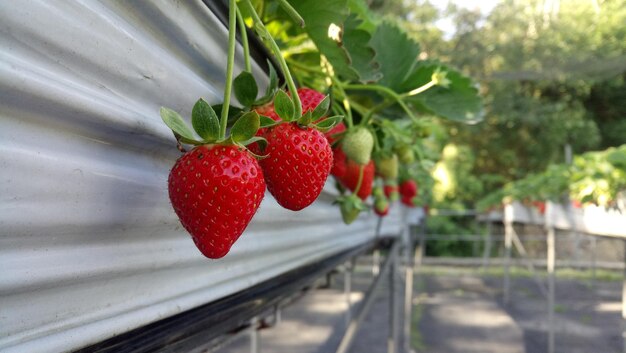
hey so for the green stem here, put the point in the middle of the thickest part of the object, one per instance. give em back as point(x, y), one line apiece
point(292, 12)
point(386, 91)
point(244, 40)
point(265, 34)
point(346, 102)
point(294, 63)
point(232, 30)
point(358, 183)
point(420, 89)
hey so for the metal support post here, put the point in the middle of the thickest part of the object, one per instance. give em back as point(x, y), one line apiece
point(508, 241)
point(254, 335)
point(391, 339)
point(593, 261)
point(624, 302)
point(376, 262)
point(347, 290)
point(370, 295)
point(488, 242)
point(408, 287)
point(550, 264)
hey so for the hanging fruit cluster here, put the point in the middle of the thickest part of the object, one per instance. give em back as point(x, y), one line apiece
point(362, 112)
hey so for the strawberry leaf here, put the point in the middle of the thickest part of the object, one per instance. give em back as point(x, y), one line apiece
point(388, 41)
point(245, 127)
point(245, 88)
point(205, 121)
point(344, 45)
point(459, 101)
point(321, 109)
point(267, 122)
point(175, 122)
point(284, 107)
point(328, 123)
point(260, 140)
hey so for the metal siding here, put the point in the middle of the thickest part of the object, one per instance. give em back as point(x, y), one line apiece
point(89, 245)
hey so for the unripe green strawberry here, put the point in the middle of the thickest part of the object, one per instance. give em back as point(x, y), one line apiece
point(381, 206)
point(350, 207)
point(357, 144)
point(405, 153)
point(388, 167)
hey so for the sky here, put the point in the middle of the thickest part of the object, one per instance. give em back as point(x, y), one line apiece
point(446, 25)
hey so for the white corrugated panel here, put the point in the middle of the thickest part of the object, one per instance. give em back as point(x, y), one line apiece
point(89, 245)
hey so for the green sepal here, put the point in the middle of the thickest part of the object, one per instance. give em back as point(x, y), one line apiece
point(245, 127)
point(321, 109)
point(328, 123)
point(175, 122)
point(350, 207)
point(188, 141)
point(284, 107)
point(205, 121)
point(268, 122)
point(258, 139)
point(245, 88)
point(257, 156)
point(306, 119)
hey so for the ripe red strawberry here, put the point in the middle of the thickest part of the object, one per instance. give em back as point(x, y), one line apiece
point(408, 189)
point(215, 190)
point(408, 201)
point(309, 98)
point(391, 191)
point(347, 172)
point(298, 164)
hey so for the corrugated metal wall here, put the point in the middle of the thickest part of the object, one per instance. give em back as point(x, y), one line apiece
point(89, 245)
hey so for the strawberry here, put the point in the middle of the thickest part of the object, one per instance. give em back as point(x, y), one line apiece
point(350, 207)
point(391, 190)
point(387, 167)
point(408, 189)
point(309, 98)
point(381, 207)
point(357, 144)
point(215, 191)
point(408, 201)
point(347, 172)
point(405, 153)
point(298, 164)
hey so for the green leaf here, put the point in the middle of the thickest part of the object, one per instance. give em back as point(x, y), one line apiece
point(175, 122)
point(328, 123)
point(395, 52)
point(205, 121)
point(321, 109)
point(245, 127)
point(326, 26)
point(357, 43)
point(284, 107)
point(460, 101)
point(245, 88)
point(267, 122)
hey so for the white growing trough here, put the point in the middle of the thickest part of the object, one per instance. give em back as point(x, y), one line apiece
point(89, 245)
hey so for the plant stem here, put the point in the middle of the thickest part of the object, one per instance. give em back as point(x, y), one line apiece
point(386, 91)
point(346, 102)
point(420, 89)
point(358, 183)
point(292, 12)
point(264, 34)
point(232, 30)
point(244, 40)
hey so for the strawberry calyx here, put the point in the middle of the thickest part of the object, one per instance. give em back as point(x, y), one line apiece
point(350, 206)
point(206, 128)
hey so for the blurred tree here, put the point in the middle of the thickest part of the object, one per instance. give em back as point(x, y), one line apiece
point(552, 73)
